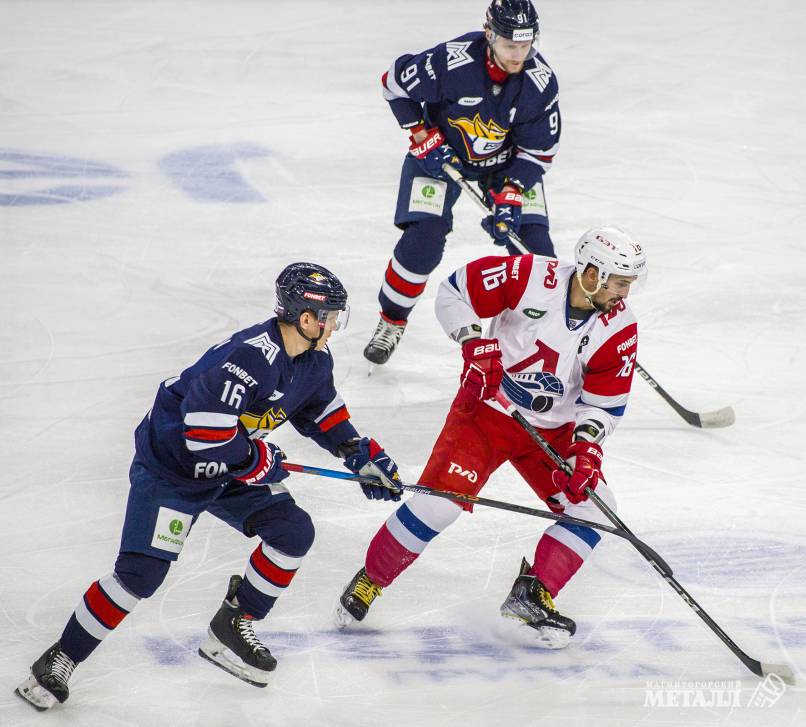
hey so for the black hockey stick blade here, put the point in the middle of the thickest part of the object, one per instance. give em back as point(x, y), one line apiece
point(704, 420)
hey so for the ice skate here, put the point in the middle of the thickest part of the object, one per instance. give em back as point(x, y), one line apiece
point(530, 603)
point(47, 683)
point(354, 603)
point(233, 645)
point(384, 341)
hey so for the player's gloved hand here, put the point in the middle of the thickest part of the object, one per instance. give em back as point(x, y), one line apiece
point(586, 460)
point(366, 457)
point(432, 152)
point(264, 465)
point(506, 208)
point(483, 369)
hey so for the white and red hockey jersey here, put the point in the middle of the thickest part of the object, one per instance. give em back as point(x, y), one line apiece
point(557, 370)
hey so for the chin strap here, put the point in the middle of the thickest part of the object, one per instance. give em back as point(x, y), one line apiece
point(588, 293)
point(312, 342)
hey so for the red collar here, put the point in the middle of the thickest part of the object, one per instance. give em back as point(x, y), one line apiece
point(497, 75)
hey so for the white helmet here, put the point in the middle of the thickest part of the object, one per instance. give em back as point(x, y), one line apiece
point(612, 251)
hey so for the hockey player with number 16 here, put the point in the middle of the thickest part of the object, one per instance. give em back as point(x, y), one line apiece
point(205, 447)
point(561, 346)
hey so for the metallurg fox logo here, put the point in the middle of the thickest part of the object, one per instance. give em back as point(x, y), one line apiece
point(482, 139)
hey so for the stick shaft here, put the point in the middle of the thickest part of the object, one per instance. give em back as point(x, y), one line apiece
point(659, 565)
point(463, 498)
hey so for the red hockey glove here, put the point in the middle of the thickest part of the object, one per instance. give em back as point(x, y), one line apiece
point(586, 460)
point(483, 370)
point(263, 466)
point(432, 152)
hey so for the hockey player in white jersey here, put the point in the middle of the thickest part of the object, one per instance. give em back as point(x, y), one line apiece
point(561, 345)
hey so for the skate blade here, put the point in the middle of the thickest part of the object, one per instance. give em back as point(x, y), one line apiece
point(216, 653)
point(35, 694)
point(370, 368)
point(544, 637)
point(342, 618)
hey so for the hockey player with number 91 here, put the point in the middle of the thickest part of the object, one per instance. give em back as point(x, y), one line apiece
point(561, 347)
point(487, 104)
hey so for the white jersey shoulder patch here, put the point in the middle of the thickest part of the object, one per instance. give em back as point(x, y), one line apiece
point(540, 74)
point(269, 348)
point(457, 54)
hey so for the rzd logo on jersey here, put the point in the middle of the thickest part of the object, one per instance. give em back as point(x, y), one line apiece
point(481, 139)
point(471, 475)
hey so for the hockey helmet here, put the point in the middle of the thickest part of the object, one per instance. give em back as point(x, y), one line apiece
point(307, 286)
point(612, 251)
point(513, 19)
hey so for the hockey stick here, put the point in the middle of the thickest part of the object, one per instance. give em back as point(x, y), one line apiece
point(759, 668)
point(705, 420)
point(474, 500)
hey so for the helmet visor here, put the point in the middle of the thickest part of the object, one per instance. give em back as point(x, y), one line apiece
point(624, 285)
point(335, 320)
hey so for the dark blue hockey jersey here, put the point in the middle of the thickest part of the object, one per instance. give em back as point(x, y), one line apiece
point(201, 421)
point(514, 125)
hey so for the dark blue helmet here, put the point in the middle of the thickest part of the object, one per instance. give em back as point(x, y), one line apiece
point(513, 19)
point(307, 286)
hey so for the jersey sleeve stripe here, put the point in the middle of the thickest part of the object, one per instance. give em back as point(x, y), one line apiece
point(220, 436)
point(392, 87)
point(603, 401)
point(209, 419)
point(336, 403)
point(337, 417)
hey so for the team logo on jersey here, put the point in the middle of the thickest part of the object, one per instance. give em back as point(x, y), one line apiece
point(264, 343)
point(481, 138)
point(533, 313)
point(457, 54)
point(471, 475)
point(268, 420)
point(540, 74)
point(535, 390)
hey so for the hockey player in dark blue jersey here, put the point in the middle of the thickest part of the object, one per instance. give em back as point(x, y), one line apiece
point(203, 447)
point(487, 104)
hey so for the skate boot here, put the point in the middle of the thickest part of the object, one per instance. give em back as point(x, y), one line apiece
point(530, 603)
point(356, 600)
point(233, 645)
point(48, 681)
point(384, 341)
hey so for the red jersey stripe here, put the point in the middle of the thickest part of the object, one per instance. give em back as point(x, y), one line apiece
point(337, 417)
point(211, 435)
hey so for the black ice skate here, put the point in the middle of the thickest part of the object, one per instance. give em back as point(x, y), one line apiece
point(356, 600)
point(48, 681)
point(530, 603)
point(384, 341)
point(233, 645)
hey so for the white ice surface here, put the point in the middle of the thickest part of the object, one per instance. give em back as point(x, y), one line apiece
point(683, 121)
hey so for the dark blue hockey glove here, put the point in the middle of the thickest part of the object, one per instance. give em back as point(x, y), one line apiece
point(506, 217)
point(432, 152)
point(264, 466)
point(366, 457)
